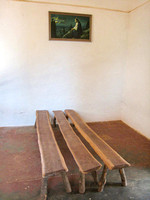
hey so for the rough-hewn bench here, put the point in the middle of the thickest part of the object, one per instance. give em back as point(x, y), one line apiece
point(112, 160)
point(51, 158)
point(84, 159)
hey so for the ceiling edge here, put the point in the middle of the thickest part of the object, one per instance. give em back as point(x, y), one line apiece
point(83, 6)
point(139, 6)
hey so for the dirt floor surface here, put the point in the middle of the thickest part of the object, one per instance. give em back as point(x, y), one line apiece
point(20, 166)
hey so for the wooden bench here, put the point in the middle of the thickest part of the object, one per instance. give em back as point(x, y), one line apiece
point(112, 160)
point(51, 158)
point(84, 159)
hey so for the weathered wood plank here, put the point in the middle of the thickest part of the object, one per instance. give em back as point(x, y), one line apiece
point(109, 156)
point(84, 159)
point(51, 158)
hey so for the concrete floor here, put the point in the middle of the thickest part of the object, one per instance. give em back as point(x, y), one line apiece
point(20, 168)
point(138, 188)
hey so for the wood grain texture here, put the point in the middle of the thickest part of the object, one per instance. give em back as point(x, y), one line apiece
point(109, 156)
point(51, 157)
point(84, 159)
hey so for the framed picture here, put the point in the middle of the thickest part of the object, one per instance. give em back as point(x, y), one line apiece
point(70, 26)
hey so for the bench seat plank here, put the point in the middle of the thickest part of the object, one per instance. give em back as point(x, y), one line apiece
point(84, 159)
point(109, 156)
point(51, 157)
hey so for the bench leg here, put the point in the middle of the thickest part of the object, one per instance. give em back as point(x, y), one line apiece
point(73, 125)
point(68, 119)
point(95, 176)
point(54, 122)
point(66, 116)
point(103, 179)
point(35, 125)
point(44, 188)
point(66, 182)
point(123, 177)
point(82, 183)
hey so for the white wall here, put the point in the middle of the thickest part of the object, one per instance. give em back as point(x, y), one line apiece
point(136, 97)
point(39, 74)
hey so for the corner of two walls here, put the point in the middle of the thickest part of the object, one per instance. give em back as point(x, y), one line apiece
point(136, 90)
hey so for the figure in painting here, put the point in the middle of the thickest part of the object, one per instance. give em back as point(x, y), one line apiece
point(77, 29)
